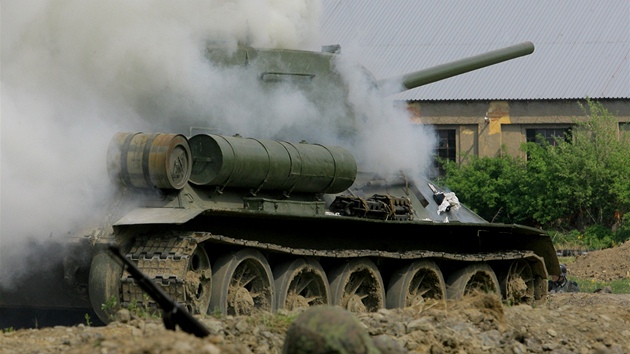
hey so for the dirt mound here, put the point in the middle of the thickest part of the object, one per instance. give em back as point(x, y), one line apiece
point(566, 323)
point(605, 265)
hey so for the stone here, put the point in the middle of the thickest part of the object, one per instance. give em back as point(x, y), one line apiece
point(327, 329)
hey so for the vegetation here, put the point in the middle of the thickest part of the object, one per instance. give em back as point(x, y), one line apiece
point(276, 322)
point(578, 188)
point(109, 307)
point(140, 310)
point(88, 320)
point(143, 310)
point(216, 313)
point(589, 285)
point(619, 286)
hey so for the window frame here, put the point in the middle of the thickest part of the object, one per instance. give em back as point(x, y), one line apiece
point(549, 133)
point(449, 152)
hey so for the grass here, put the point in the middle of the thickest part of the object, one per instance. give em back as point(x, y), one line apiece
point(619, 286)
point(587, 285)
point(138, 309)
point(109, 307)
point(142, 310)
point(276, 322)
point(216, 313)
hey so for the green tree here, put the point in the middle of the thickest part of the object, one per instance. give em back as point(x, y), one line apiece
point(593, 170)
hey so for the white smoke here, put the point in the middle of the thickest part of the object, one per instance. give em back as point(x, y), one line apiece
point(387, 142)
point(75, 72)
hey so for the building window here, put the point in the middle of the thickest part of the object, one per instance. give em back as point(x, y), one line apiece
point(548, 134)
point(445, 148)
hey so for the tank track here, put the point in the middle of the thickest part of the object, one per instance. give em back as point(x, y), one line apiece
point(163, 259)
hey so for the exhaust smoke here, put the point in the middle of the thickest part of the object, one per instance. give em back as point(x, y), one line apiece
point(74, 73)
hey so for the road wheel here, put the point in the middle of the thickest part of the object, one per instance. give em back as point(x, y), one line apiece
point(104, 286)
point(198, 282)
point(357, 286)
point(242, 283)
point(474, 277)
point(301, 283)
point(517, 285)
point(414, 283)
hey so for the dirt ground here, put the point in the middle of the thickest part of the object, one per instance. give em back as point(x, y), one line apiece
point(564, 323)
point(605, 265)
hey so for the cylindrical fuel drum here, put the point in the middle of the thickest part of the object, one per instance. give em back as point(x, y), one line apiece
point(272, 165)
point(142, 160)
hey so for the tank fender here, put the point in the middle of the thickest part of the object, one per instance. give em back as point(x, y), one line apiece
point(158, 216)
point(540, 277)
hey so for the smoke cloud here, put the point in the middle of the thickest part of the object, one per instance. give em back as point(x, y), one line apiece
point(76, 72)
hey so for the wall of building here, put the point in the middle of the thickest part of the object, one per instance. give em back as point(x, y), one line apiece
point(484, 127)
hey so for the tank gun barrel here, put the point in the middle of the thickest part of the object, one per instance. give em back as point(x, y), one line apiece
point(458, 67)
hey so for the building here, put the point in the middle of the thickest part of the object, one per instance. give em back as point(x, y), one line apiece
point(582, 49)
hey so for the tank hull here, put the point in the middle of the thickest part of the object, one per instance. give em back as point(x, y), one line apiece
point(277, 243)
point(329, 243)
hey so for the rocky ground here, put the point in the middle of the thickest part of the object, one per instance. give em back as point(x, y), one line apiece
point(564, 323)
point(567, 323)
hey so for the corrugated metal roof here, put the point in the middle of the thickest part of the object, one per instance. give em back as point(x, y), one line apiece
point(582, 46)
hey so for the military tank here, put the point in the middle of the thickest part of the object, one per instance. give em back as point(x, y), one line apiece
point(234, 224)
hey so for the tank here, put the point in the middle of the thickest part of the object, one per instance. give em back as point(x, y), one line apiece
point(232, 224)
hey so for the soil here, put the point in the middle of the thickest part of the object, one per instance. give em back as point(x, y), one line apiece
point(563, 323)
point(603, 266)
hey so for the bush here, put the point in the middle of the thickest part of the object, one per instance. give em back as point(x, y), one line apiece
point(485, 185)
point(598, 237)
point(622, 230)
point(581, 184)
